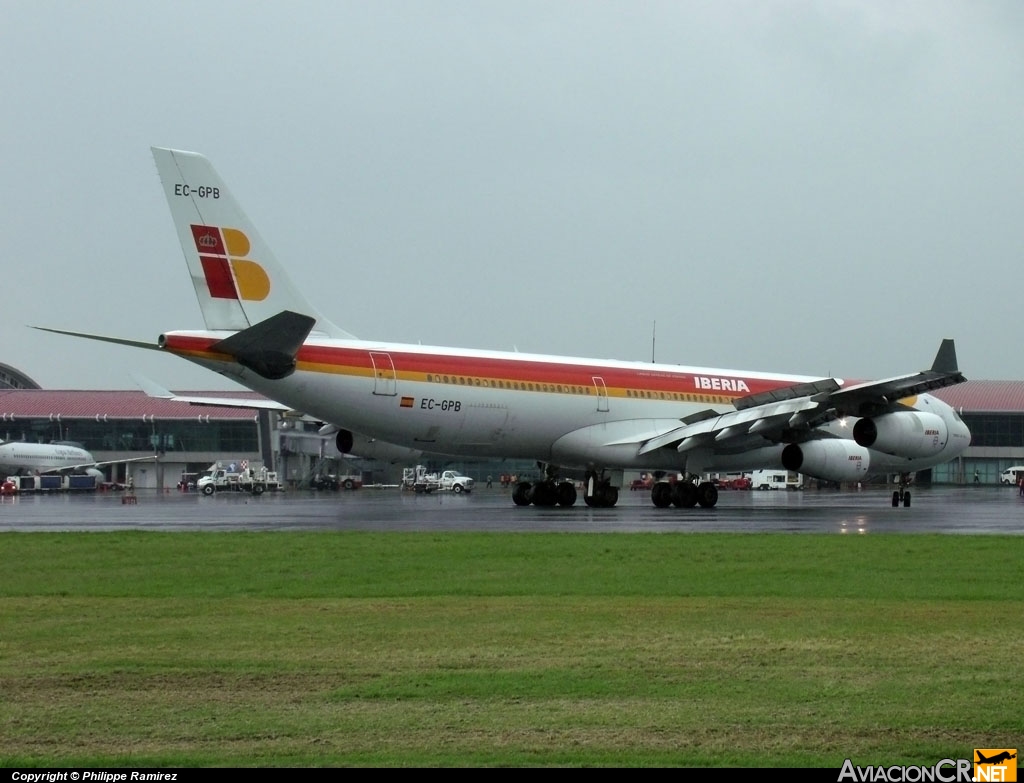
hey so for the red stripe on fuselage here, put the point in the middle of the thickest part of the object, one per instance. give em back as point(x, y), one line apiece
point(319, 358)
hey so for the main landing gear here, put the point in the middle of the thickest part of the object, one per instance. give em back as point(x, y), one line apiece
point(598, 491)
point(684, 494)
point(902, 495)
point(547, 493)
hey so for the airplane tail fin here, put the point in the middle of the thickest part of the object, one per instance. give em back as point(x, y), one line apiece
point(237, 280)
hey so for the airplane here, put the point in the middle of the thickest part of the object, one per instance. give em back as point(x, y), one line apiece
point(1003, 756)
point(579, 418)
point(23, 458)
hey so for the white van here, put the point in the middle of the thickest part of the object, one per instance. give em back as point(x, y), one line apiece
point(776, 479)
point(1011, 475)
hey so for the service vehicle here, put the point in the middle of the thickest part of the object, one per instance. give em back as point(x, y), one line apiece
point(1012, 475)
point(776, 479)
point(330, 481)
point(247, 480)
point(71, 482)
point(419, 480)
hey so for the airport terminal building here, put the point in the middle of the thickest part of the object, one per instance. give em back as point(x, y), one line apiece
point(177, 437)
point(994, 413)
point(165, 439)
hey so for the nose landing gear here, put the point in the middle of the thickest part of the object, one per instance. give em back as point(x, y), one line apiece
point(902, 494)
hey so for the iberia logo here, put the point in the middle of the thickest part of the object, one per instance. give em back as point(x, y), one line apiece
point(229, 274)
point(995, 764)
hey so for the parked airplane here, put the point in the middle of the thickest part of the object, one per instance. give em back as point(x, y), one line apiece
point(23, 458)
point(579, 418)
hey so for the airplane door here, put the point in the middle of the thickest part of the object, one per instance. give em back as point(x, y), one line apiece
point(385, 380)
point(602, 393)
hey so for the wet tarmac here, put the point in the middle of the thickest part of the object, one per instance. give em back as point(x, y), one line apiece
point(953, 510)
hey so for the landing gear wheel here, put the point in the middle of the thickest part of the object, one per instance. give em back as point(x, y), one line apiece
point(521, 494)
point(544, 494)
point(901, 497)
point(609, 496)
point(707, 494)
point(661, 494)
point(902, 494)
point(605, 496)
point(566, 493)
point(684, 494)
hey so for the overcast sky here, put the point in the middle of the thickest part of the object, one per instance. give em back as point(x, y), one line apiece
point(804, 187)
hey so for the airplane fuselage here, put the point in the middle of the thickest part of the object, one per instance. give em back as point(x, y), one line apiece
point(18, 457)
point(571, 412)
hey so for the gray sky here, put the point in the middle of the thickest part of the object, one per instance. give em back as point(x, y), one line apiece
point(805, 187)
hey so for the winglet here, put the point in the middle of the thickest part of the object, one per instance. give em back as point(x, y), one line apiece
point(945, 359)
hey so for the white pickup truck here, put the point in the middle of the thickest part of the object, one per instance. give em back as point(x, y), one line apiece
point(418, 480)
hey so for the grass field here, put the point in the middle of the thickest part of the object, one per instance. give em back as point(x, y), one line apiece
point(151, 649)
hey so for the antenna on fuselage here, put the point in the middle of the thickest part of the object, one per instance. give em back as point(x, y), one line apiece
point(654, 336)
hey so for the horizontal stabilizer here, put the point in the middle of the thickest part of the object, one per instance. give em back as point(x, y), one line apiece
point(269, 348)
point(103, 339)
point(158, 392)
point(152, 388)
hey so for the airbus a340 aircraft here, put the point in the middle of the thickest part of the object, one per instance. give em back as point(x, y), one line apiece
point(579, 418)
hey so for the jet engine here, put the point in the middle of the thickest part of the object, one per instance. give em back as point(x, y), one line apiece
point(370, 448)
point(833, 460)
point(909, 434)
point(344, 441)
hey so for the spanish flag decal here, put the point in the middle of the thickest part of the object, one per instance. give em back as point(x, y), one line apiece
point(407, 402)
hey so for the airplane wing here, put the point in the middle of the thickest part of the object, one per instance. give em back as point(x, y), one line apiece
point(65, 468)
point(802, 407)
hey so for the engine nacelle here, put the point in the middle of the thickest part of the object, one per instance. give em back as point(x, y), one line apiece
point(344, 440)
point(909, 434)
point(832, 460)
point(357, 445)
